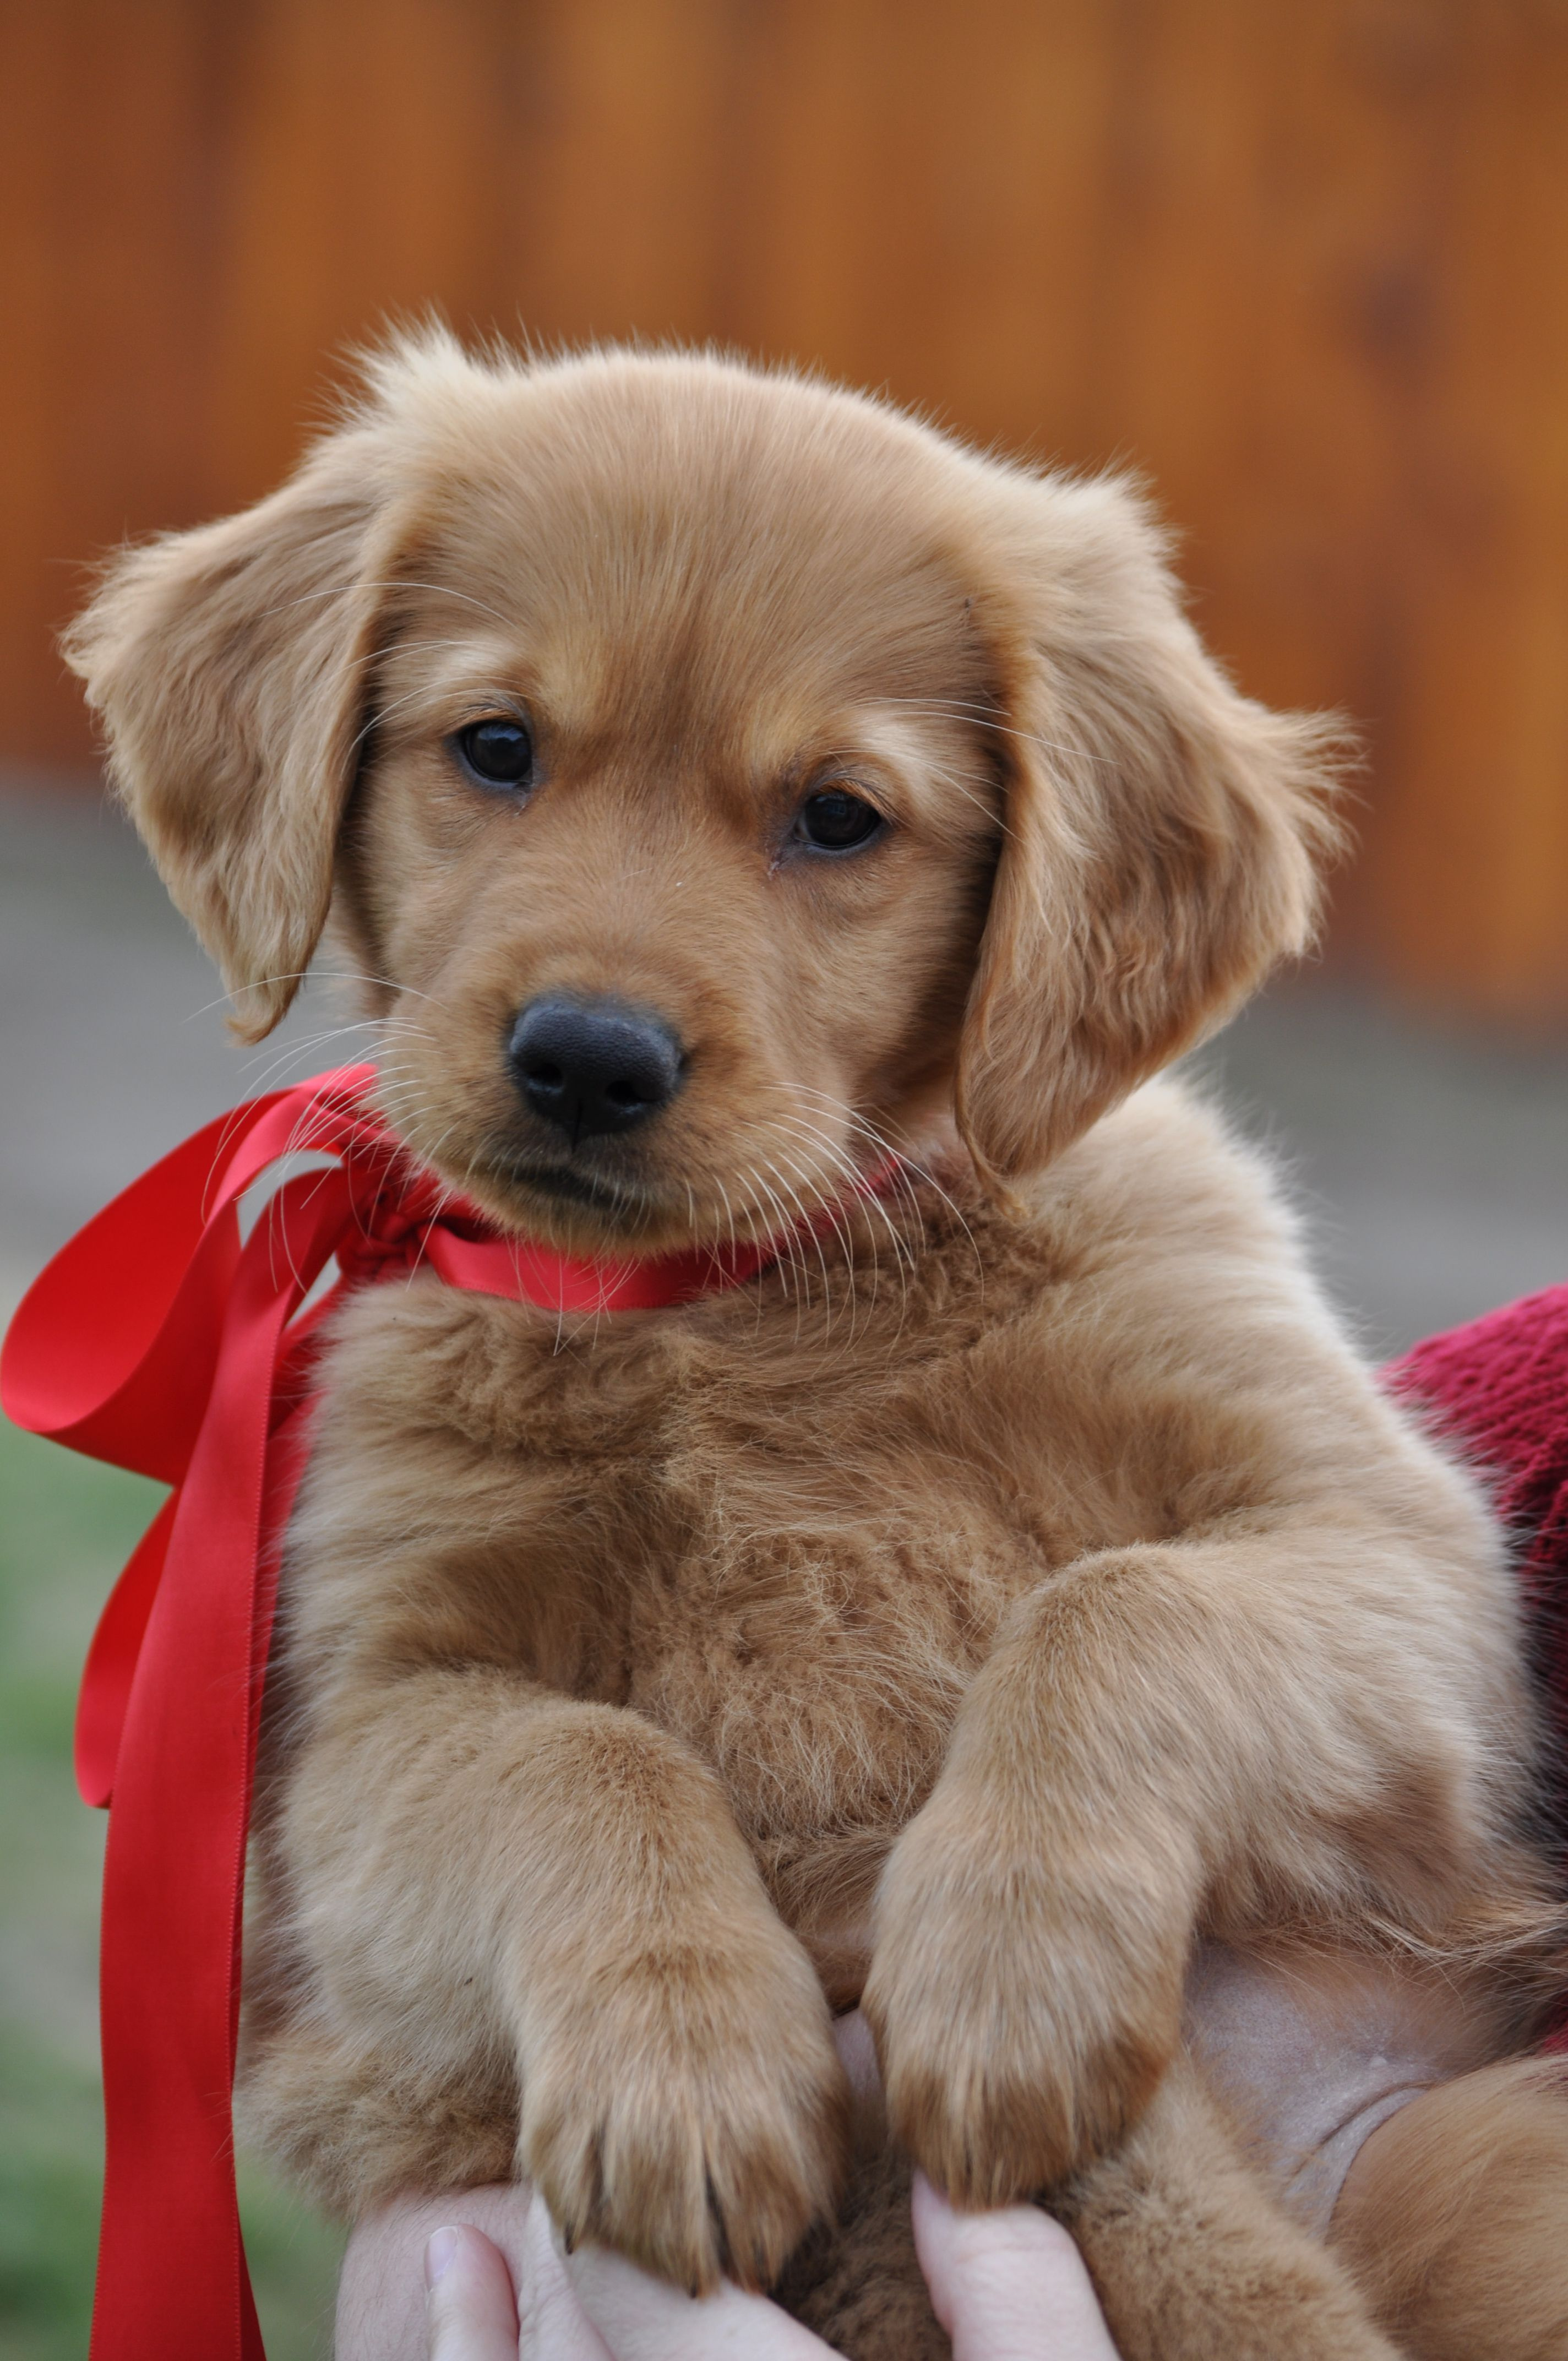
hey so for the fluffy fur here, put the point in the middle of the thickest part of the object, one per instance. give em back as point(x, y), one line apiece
point(1019, 1582)
point(1453, 2217)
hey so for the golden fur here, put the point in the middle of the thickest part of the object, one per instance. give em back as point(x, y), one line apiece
point(1022, 1580)
point(1452, 2216)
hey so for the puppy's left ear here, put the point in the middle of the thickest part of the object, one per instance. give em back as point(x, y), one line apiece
point(1161, 833)
point(229, 667)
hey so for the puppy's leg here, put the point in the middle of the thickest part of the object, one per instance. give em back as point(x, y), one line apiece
point(1194, 2261)
point(320, 2105)
point(1454, 2217)
point(488, 1879)
point(1142, 1744)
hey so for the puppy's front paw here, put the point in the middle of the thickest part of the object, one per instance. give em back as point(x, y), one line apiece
point(1022, 2015)
point(688, 2107)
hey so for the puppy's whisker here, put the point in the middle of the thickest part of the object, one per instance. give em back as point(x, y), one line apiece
point(368, 661)
point(782, 1229)
point(906, 1170)
point(986, 807)
point(310, 1041)
point(809, 1185)
point(729, 1214)
point(807, 1227)
point(878, 1140)
point(872, 1201)
point(903, 1254)
point(840, 1160)
point(406, 582)
point(882, 1149)
point(956, 707)
point(787, 1231)
point(383, 713)
point(836, 1213)
point(319, 975)
point(447, 1193)
point(477, 691)
point(279, 1058)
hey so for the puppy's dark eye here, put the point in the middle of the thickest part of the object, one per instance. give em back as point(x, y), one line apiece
point(836, 821)
point(497, 753)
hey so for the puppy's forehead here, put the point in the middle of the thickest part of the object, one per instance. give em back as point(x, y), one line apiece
point(688, 548)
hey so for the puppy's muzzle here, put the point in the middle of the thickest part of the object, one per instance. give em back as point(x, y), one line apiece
point(594, 1066)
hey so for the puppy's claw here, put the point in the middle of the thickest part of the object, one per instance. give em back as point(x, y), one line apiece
point(690, 2156)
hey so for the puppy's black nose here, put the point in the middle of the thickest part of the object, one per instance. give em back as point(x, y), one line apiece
point(593, 1066)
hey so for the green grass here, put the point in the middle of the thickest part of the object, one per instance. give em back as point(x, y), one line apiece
point(66, 1525)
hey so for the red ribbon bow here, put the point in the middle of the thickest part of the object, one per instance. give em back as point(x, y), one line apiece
point(163, 1339)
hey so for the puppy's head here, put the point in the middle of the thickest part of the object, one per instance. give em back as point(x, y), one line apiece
point(712, 777)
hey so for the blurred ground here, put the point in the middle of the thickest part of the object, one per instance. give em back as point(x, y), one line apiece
point(1434, 1171)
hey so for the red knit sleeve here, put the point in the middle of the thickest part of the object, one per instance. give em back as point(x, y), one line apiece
point(1499, 1389)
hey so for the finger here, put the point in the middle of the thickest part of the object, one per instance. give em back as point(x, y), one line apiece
point(469, 2305)
point(644, 2319)
point(1008, 2285)
point(554, 2327)
point(382, 2313)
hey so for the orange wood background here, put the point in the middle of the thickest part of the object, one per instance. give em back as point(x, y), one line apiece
point(1305, 265)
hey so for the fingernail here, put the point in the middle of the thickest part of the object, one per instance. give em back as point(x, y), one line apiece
point(440, 2254)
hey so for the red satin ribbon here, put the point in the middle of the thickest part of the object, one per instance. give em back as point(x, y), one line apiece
point(163, 1339)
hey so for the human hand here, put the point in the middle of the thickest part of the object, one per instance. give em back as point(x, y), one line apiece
point(481, 2245)
point(591, 2306)
point(1009, 2286)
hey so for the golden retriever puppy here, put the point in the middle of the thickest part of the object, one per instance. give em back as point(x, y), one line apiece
point(753, 816)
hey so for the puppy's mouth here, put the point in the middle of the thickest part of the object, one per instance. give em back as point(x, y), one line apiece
point(571, 1187)
point(589, 1211)
point(621, 1206)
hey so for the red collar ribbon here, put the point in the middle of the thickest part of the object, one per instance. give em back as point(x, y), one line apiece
point(165, 1340)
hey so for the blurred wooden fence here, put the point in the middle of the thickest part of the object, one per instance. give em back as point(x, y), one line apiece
point(1307, 266)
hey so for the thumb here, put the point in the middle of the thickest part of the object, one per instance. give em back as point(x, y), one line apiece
point(1008, 2285)
point(470, 2310)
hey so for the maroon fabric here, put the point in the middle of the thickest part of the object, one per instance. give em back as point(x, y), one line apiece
point(1499, 1388)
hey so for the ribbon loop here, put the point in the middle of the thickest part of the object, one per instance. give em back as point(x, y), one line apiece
point(164, 1340)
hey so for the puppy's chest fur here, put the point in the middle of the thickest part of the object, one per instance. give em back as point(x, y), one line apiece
point(784, 1532)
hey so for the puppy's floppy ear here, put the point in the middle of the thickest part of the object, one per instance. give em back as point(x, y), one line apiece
point(229, 668)
point(1161, 836)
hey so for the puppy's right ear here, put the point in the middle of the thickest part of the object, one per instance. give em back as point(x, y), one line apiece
point(229, 667)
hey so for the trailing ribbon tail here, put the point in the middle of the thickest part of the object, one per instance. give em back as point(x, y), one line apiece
point(154, 1341)
point(110, 1669)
